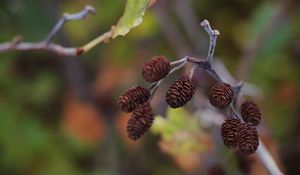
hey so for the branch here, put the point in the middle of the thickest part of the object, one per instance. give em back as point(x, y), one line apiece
point(69, 17)
point(213, 34)
point(18, 45)
point(206, 65)
point(262, 152)
point(210, 116)
point(266, 158)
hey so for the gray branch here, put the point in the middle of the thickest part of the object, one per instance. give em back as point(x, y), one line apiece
point(213, 34)
point(207, 66)
point(18, 45)
point(69, 17)
point(262, 152)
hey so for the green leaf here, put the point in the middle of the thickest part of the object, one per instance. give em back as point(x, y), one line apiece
point(132, 17)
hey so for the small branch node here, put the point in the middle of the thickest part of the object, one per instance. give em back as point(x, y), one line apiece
point(205, 23)
point(213, 34)
point(90, 9)
point(216, 33)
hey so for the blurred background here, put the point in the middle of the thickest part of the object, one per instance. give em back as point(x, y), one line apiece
point(59, 115)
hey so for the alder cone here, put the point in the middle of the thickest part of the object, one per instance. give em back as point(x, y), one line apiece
point(155, 69)
point(250, 113)
point(140, 121)
point(134, 96)
point(247, 138)
point(228, 132)
point(180, 92)
point(221, 95)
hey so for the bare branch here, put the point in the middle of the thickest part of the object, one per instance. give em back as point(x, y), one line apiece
point(26, 46)
point(237, 90)
point(206, 65)
point(178, 61)
point(69, 17)
point(18, 45)
point(266, 159)
point(213, 34)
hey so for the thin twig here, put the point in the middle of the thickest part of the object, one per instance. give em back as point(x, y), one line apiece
point(153, 87)
point(178, 61)
point(237, 90)
point(46, 45)
point(26, 46)
point(194, 67)
point(213, 34)
point(69, 17)
point(236, 114)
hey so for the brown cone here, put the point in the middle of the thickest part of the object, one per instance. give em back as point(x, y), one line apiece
point(155, 69)
point(180, 92)
point(250, 113)
point(134, 96)
point(140, 121)
point(221, 95)
point(228, 132)
point(247, 138)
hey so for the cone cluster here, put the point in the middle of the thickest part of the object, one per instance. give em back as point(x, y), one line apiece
point(136, 99)
point(241, 135)
point(180, 92)
point(221, 95)
point(155, 69)
point(236, 133)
